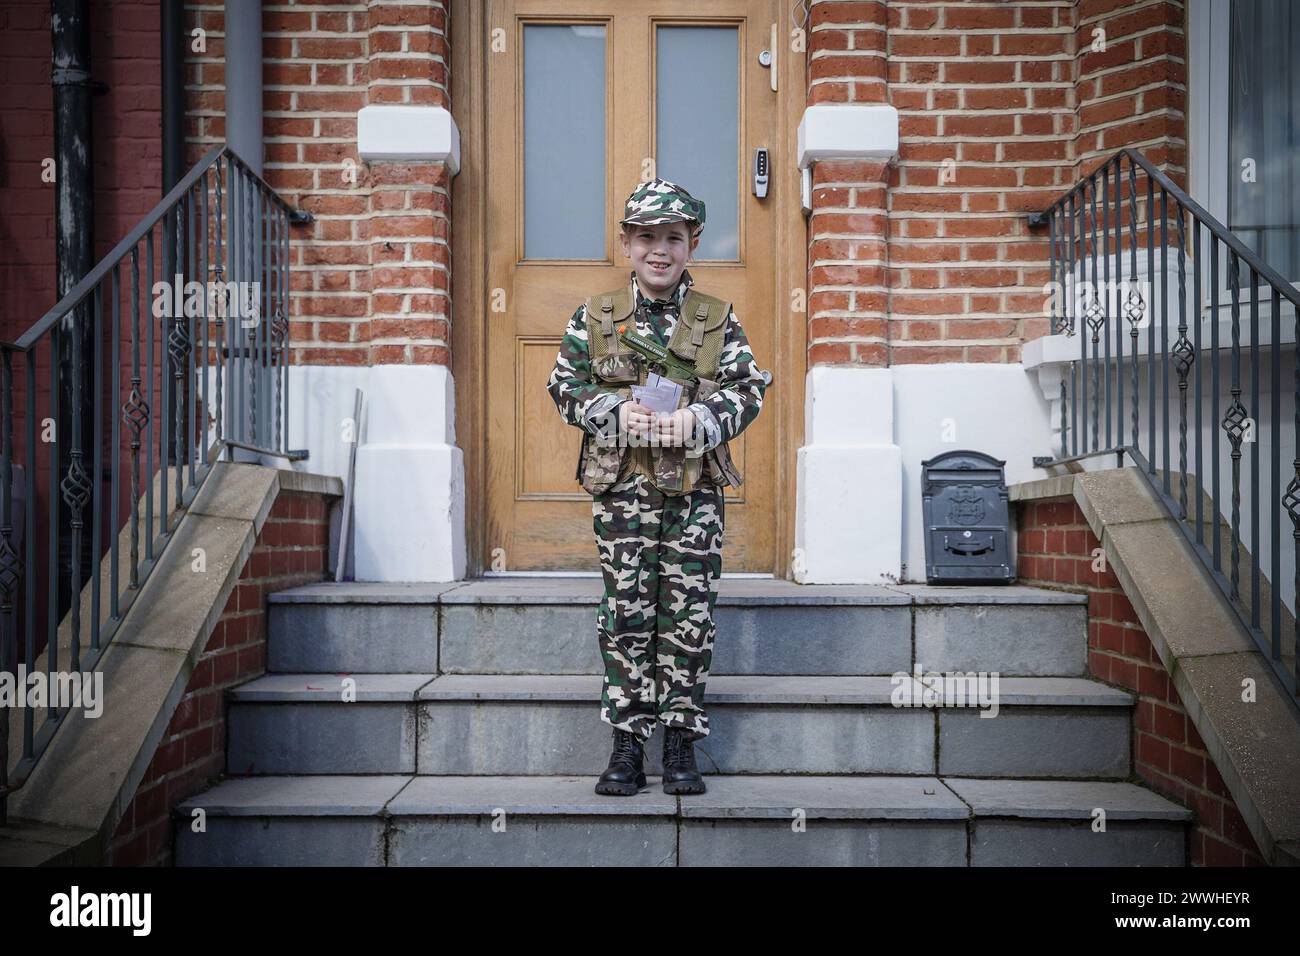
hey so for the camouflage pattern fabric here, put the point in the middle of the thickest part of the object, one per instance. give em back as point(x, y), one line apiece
point(661, 556)
point(658, 200)
point(584, 403)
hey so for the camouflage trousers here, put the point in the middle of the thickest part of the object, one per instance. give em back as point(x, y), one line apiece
point(661, 556)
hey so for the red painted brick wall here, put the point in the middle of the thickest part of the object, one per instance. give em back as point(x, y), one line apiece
point(126, 140)
point(1055, 549)
point(373, 274)
point(26, 204)
point(292, 548)
point(127, 180)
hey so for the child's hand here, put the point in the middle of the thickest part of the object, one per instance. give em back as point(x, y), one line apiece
point(677, 428)
point(635, 419)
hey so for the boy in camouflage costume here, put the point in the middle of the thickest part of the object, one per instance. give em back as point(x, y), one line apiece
point(660, 552)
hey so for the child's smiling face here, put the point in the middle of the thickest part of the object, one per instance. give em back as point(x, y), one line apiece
point(658, 254)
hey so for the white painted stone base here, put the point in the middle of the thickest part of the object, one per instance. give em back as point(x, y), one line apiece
point(858, 517)
point(410, 513)
point(848, 518)
point(994, 408)
point(409, 493)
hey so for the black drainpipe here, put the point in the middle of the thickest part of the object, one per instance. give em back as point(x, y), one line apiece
point(74, 252)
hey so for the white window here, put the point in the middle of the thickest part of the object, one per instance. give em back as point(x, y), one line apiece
point(1245, 122)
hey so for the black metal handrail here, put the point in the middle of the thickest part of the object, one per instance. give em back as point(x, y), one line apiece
point(212, 360)
point(1087, 237)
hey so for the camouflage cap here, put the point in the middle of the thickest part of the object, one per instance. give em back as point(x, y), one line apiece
point(658, 200)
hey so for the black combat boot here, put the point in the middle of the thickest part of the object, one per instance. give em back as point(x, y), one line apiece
point(625, 774)
point(680, 773)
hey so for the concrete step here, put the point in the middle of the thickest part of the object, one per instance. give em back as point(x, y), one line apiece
point(765, 627)
point(405, 820)
point(545, 724)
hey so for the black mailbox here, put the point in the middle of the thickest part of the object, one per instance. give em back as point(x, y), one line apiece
point(964, 506)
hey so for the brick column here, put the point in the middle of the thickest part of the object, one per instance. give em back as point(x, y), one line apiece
point(410, 202)
point(848, 138)
point(411, 529)
point(848, 297)
point(848, 52)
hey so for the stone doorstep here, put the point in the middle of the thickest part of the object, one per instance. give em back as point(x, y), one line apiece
point(1203, 646)
point(731, 592)
point(721, 689)
point(1039, 639)
point(360, 592)
point(729, 796)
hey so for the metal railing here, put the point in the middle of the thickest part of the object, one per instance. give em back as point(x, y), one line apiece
point(191, 369)
point(1128, 210)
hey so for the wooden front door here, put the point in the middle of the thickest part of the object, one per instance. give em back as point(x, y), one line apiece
point(584, 100)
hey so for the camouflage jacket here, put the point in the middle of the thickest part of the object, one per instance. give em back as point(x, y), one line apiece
point(723, 415)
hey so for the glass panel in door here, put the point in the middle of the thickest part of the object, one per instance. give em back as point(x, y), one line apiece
point(564, 141)
point(697, 136)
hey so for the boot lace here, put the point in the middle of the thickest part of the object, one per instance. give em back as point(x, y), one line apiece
point(625, 746)
point(678, 748)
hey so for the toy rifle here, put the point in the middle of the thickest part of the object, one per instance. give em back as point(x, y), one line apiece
point(657, 355)
point(669, 461)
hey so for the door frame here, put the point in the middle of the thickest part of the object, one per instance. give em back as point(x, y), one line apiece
point(470, 33)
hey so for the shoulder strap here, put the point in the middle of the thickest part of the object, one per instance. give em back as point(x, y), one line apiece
point(700, 332)
point(604, 311)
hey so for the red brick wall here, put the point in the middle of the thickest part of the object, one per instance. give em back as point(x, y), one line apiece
point(1010, 93)
point(292, 548)
point(986, 121)
point(1055, 549)
point(1134, 91)
point(1002, 107)
point(848, 47)
point(373, 274)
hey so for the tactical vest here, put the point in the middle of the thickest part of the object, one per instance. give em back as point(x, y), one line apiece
point(697, 340)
